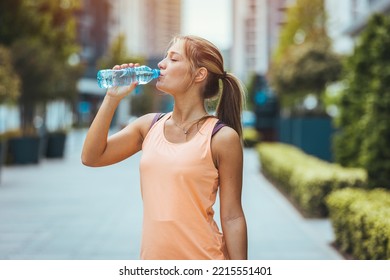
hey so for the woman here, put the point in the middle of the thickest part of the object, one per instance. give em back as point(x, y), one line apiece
point(186, 156)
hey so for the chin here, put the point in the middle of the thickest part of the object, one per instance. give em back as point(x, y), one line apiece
point(161, 88)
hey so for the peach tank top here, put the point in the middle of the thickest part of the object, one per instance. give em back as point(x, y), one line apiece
point(179, 183)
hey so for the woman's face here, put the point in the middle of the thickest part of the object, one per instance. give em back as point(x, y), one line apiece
point(175, 74)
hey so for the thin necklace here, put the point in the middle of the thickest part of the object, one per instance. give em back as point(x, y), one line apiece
point(186, 131)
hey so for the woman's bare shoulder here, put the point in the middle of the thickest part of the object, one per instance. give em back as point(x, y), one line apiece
point(226, 135)
point(225, 141)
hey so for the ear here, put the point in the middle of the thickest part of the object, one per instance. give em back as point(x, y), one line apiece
point(201, 74)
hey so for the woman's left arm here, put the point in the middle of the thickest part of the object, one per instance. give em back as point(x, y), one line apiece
point(228, 157)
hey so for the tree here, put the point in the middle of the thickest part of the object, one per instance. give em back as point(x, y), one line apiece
point(34, 63)
point(58, 29)
point(52, 21)
point(365, 105)
point(41, 34)
point(9, 80)
point(304, 63)
point(305, 22)
point(307, 68)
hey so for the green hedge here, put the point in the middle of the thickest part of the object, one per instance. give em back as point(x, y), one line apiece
point(251, 137)
point(307, 179)
point(361, 222)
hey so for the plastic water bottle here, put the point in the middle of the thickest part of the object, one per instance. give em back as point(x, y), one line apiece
point(123, 77)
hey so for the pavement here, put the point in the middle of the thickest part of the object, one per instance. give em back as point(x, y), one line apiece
point(62, 210)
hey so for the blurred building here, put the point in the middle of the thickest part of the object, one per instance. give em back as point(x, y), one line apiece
point(256, 26)
point(93, 32)
point(148, 24)
point(346, 19)
point(93, 26)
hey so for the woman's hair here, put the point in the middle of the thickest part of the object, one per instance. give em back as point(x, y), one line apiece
point(202, 53)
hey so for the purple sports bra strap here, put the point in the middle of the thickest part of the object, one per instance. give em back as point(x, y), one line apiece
point(217, 127)
point(156, 118)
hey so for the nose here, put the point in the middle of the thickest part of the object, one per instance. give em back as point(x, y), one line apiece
point(161, 64)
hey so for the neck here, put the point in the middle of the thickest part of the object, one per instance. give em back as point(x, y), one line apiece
point(188, 109)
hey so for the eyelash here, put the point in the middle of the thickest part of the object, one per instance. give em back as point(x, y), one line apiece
point(171, 58)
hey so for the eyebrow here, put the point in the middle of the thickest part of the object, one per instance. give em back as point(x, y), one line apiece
point(172, 53)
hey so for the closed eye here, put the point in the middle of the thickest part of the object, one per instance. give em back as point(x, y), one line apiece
point(173, 56)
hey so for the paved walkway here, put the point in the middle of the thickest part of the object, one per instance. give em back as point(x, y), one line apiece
point(61, 209)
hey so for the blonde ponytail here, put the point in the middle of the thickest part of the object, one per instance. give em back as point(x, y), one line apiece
point(229, 108)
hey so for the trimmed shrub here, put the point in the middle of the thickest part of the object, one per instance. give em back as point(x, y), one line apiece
point(306, 179)
point(361, 222)
point(251, 137)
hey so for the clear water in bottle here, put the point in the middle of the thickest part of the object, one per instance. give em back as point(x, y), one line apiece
point(124, 77)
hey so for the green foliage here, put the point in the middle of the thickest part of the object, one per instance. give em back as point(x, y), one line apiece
point(361, 222)
point(304, 63)
point(17, 20)
point(365, 105)
point(42, 37)
point(250, 97)
point(52, 21)
point(250, 136)
point(9, 80)
point(306, 179)
point(305, 21)
point(32, 60)
point(306, 68)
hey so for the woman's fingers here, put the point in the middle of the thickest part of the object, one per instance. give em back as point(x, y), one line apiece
point(125, 65)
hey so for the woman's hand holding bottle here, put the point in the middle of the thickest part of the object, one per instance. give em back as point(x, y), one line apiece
point(122, 91)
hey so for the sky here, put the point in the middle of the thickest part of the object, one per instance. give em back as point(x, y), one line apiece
point(210, 19)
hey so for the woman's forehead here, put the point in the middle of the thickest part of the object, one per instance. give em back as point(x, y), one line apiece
point(177, 47)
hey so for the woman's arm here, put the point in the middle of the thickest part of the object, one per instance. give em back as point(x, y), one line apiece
point(101, 150)
point(228, 157)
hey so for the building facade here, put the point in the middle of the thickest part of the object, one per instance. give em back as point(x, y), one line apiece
point(256, 26)
point(346, 19)
point(147, 24)
point(93, 25)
